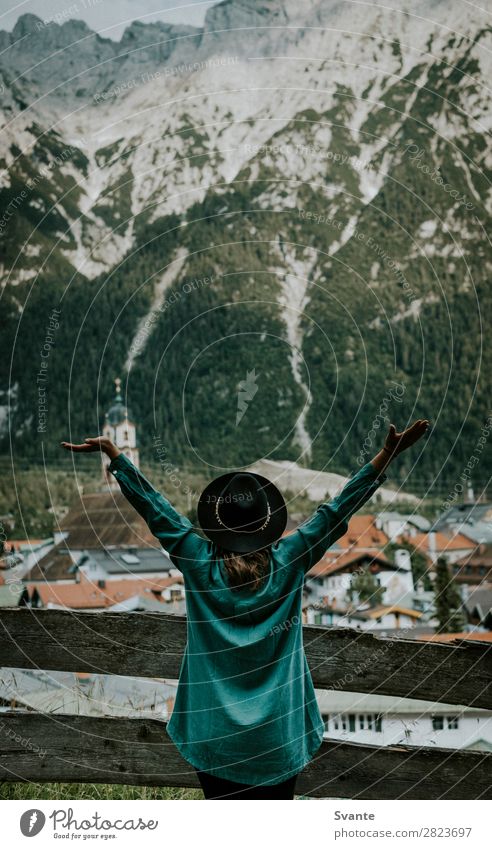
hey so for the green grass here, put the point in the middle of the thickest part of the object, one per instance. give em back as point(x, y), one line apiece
point(99, 792)
point(56, 791)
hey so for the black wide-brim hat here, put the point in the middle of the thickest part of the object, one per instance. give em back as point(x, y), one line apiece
point(242, 512)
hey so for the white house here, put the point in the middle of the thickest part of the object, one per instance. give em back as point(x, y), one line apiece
point(397, 524)
point(331, 578)
point(389, 720)
point(383, 617)
point(450, 544)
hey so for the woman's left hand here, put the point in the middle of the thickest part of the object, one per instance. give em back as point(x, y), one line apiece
point(91, 444)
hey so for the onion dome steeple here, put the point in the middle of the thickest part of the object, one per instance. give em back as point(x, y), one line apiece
point(119, 426)
point(118, 411)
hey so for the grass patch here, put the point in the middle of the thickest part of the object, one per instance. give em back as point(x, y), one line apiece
point(101, 792)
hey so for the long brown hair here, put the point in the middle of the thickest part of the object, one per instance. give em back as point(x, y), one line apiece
point(246, 570)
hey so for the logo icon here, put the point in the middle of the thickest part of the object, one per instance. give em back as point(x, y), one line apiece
point(32, 822)
point(247, 390)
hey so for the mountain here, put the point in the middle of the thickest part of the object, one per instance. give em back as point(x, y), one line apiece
point(274, 227)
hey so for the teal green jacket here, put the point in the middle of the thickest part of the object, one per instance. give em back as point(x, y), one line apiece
point(245, 706)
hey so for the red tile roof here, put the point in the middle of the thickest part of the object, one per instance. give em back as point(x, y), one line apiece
point(362, 540)
point(363, 533)
point(20, 542)
point(86, 595)
point(485, 637)
point(445, 541)
point(338, 561)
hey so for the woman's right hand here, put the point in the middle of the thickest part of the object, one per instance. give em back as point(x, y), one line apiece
point(395, 442)
point(91, 444)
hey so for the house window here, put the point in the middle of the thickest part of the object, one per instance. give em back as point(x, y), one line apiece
point(326, 721)
point(453, 722)
point(437, 723)
point(340, 722)
point(370, 722)
point(351, 719)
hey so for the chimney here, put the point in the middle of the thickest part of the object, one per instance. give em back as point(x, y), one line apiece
point(403, 560)
point(432, 546)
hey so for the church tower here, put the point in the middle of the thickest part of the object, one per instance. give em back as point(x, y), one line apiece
point(120, 428)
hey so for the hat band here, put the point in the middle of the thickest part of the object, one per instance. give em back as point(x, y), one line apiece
point(255, 531)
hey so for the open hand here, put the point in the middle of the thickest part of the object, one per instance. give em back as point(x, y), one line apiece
point(91, 444)
point(395, 442)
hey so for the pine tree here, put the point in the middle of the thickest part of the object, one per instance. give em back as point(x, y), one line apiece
point(365, 588)
point(448, 604)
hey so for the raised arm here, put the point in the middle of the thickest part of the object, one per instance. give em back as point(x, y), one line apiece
point(307, 545)
point(395, 443)
point(174, 531)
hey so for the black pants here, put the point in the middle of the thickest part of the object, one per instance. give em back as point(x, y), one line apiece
point(220, 788)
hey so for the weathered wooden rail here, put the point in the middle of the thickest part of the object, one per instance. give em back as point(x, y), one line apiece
point(55, 747)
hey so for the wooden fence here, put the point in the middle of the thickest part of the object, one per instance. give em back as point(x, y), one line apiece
point(56, 747)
